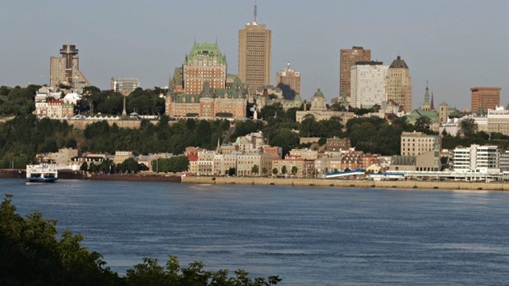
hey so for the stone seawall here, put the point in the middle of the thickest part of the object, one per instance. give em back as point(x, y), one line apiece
point(457, 185)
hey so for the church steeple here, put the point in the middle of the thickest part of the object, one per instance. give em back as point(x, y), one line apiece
point(432, 102)
point(426, 105)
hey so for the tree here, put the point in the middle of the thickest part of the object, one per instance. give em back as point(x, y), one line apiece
point(284, 170)
point(91, 94)
point(275, 171)
point(151, 273)
point(84, 167)
point(30, 244)
point(173, 164)
point(231, 172)
point(131, 166)
point(255, 169)
point(294, 170)
point(422, 124)
point(468, 127)
point(264, 171)
point(34, 256)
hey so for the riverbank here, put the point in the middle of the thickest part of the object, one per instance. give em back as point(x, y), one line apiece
point(425, 185)
point(263, 181)
point(72, 175)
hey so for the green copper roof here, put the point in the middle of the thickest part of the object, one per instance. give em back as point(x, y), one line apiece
point(318, 93)
point(207, 91)
point(398, 63)
point(205, 51)
point(414, 115)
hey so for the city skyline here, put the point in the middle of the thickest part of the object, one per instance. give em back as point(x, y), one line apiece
point(453, 45)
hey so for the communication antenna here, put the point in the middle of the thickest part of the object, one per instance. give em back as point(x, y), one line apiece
point(255, 12)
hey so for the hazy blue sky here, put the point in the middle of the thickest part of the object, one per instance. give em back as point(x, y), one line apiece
point(453, 44)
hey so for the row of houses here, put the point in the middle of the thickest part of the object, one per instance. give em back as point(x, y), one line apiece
point(250, 156)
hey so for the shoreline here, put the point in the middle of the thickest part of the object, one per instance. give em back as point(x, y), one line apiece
point(268, 181)
point(335, 183)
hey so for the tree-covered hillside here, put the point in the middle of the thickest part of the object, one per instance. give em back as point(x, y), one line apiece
point(25, 135)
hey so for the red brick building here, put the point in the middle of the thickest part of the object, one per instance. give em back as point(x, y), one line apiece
point(484, 98)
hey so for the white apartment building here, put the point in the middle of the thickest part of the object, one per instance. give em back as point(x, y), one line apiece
point(368, 80)
point(224, 162)
point(246, 162)
point(205, 163)
point(497, 120)
point(479, 159)
point(250, 143)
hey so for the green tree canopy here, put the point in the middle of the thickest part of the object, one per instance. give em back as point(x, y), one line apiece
point(34, 256)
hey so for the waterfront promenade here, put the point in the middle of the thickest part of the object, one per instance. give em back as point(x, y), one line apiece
point(265, 181)
point(406, 184)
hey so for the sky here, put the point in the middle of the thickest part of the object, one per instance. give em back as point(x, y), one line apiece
point(452, 45)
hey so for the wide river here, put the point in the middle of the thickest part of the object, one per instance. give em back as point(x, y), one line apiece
point(306, 235)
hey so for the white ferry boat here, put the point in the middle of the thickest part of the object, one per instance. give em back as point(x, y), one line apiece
point(42, 173)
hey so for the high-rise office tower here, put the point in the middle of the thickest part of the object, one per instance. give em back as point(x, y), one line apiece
point(399, 84)
point(288, 80)
point(254, 55)
point(347, 59)
point(65, 70)
point(484, 98)
point(368, 84)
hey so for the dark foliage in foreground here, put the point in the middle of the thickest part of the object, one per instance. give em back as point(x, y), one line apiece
point(30, 254)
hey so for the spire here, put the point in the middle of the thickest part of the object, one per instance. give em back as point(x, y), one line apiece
point(255, 13)
point(426, 105)
point(432, 102)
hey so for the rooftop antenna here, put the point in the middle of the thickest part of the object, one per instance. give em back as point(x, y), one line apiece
point(255, 12)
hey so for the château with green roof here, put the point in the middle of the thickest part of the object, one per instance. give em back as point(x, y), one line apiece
point(201, 87)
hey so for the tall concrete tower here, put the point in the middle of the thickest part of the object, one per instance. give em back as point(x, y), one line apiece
point(254, 55)
point(64, 70)
point(399, 84)
point(347, 59)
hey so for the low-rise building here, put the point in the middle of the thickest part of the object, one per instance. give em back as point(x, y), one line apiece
point(296, 167)
point(121, 156)
point(417, 143)
point(337, 144)
point(480, 159)
point(319, 112)
point(63, 156)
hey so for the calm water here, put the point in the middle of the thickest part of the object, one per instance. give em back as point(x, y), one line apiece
point(307, 235)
